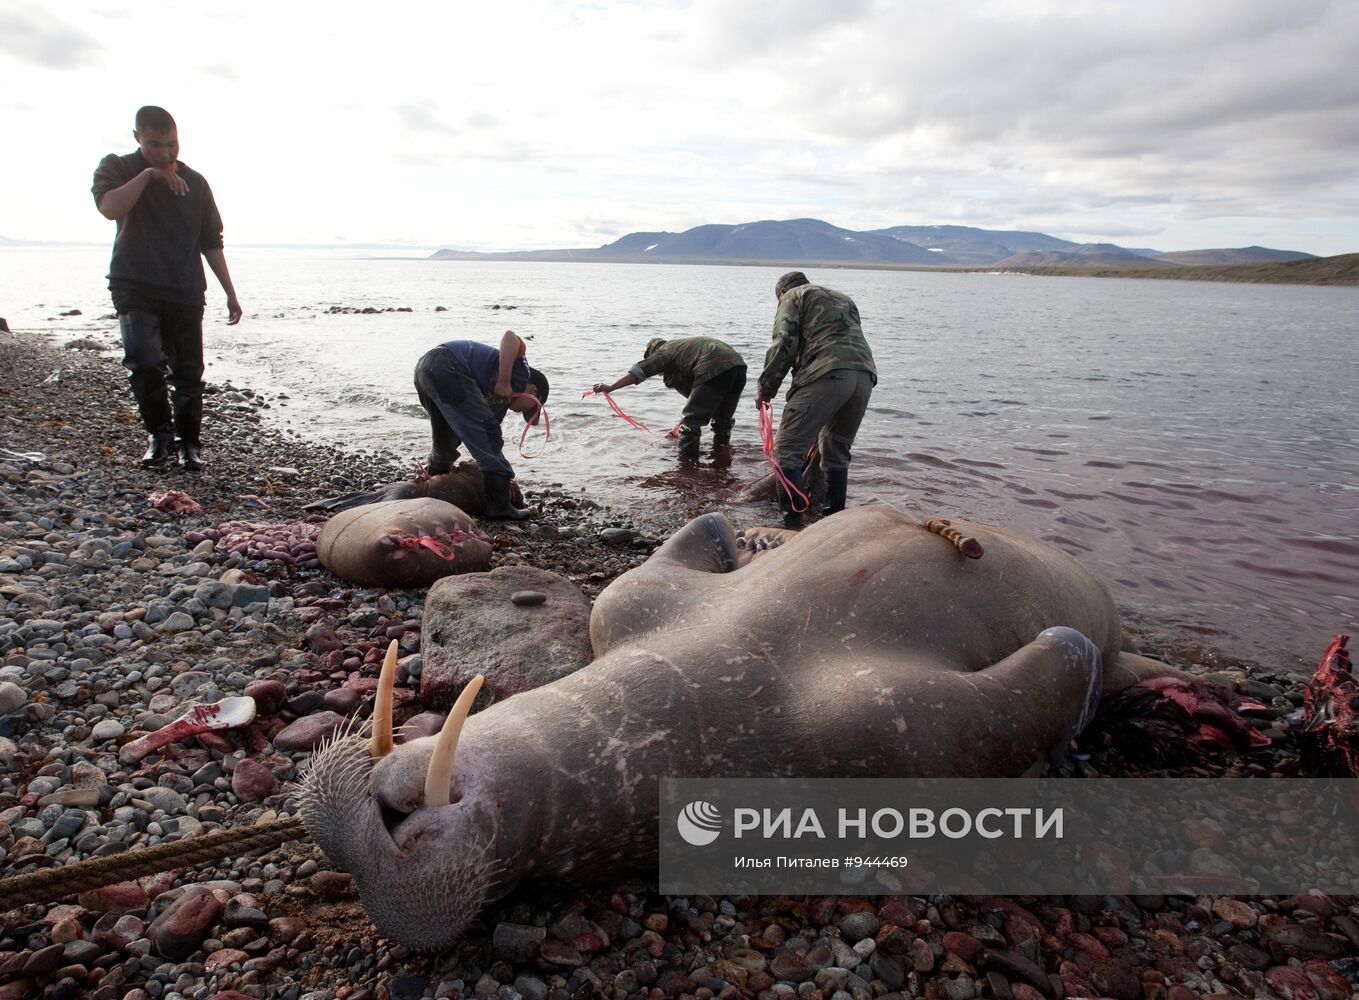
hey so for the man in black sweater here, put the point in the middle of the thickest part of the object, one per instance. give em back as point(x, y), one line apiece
point(166, 219)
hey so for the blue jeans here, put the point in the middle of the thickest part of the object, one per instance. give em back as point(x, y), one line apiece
point(458, 415)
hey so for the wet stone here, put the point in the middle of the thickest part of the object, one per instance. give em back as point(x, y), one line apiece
point(860, 925)
point(790, 966)
point(407, 987)
point(308, 732)
point(520, 941)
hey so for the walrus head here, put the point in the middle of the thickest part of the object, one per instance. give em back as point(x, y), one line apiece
point(373, 838)
point(865, 646)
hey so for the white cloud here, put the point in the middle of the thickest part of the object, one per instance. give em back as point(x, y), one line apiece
point(538, 123)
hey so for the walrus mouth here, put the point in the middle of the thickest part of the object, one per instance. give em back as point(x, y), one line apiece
point(439, 775)
point(339, 779)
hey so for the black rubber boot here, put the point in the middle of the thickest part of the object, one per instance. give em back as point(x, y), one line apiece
point(160, 449)
point(188, 424)
point(153, 400)
point(837, 486)
point(688, 441)
point(722, 433)
point(498, 506)
point(437, 465)
point(792, 518)
point(191, 456)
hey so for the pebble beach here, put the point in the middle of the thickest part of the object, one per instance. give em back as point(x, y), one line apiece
point(120, 604)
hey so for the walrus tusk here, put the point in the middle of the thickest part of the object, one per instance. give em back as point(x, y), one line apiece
point(969, 547)
point(382, 707)
point(441, 761)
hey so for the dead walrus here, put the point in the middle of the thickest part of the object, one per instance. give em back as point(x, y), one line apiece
point(865, 646)
point(402, 543)
point(462, 488)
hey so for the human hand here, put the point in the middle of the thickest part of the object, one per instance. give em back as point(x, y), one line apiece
point(600, 387)
point(760, 400)
point(503, 390)
point(169, 176)
point(233, 311)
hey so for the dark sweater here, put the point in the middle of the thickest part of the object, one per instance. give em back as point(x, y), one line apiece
point(160, 241)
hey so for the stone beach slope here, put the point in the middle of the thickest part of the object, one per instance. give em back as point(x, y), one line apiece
point(113, 614)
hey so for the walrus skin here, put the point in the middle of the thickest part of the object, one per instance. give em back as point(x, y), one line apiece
point(462, 488)
point(865, 647)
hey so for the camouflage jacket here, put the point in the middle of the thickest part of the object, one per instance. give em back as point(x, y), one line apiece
point(688, 362)
point(816, 330)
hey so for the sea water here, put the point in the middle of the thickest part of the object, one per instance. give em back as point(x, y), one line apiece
point(1195, 443)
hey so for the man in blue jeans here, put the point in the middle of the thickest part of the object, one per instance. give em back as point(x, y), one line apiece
point(467, 388)
point(168, 225)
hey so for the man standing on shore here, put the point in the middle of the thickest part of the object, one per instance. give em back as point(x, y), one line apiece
point(817, 334)
point(166, 219)
point(706, 370)
point(467, 388)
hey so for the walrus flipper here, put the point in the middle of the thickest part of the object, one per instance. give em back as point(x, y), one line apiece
point(333, 505)
point(1061, 668)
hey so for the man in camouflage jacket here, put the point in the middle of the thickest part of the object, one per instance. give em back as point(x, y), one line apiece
point(817, 334)
point(709, 372)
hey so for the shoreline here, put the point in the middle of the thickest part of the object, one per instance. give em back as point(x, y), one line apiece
point(1342, 274)
point(118, 619)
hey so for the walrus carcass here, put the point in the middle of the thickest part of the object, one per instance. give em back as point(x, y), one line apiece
point(462, 487)
point(865, 647)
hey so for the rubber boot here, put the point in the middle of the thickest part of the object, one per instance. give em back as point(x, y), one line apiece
point(498, 506)
point(153, 400)
point(153, 403)
point(792, 518)
point(837, 486)
point(722, 433)
point(188, 424)
point(688, 442)
point(160, 449)
point(437, 465)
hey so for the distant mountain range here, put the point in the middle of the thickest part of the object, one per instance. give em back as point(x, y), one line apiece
point(811, 241)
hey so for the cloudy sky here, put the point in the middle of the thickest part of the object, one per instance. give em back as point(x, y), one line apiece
point(1209, 123)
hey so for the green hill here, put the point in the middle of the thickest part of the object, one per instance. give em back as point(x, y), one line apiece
point(1339, 270)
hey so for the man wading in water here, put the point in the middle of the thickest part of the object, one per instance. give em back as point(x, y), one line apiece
point(467, 388)
point(167, 222)
point(816, 334)
point(710, 373)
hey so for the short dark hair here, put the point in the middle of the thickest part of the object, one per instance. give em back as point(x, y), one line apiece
point(154, 119)
point(539, 380)
point(790, 280)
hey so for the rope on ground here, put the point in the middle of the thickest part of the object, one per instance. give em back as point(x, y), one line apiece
point(50, 884)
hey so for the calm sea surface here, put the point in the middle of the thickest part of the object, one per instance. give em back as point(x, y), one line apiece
point(1196, 443)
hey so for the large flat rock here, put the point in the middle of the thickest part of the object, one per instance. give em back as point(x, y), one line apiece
point(472, 626)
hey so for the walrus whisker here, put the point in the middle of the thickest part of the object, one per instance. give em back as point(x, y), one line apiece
point(441, 760)
point(382, 706)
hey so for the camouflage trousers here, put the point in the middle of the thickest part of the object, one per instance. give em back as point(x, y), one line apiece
point(714, 400)
point(827, 411)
